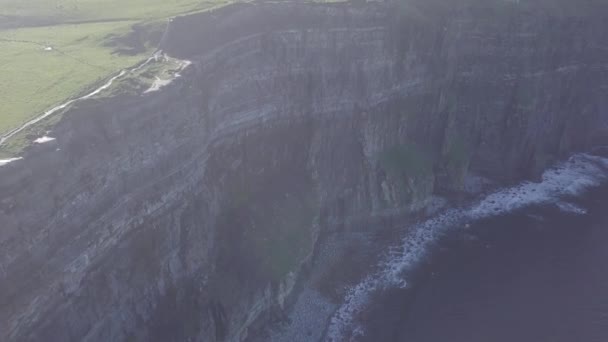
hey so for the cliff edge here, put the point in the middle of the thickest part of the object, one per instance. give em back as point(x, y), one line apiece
point(185, 213)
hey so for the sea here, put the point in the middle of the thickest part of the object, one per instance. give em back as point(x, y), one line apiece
point(522, 263)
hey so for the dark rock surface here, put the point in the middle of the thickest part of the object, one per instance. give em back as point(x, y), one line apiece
point(185, 213)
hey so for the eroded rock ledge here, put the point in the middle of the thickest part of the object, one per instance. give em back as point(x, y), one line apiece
point(185, 213)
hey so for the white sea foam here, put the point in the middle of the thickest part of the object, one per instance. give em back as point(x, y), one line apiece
point(570, 178)
point(571, 208)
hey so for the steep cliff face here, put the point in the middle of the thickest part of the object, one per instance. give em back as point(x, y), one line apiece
point(185, 213)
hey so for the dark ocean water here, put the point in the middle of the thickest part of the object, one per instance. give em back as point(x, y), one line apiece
point(535, 274)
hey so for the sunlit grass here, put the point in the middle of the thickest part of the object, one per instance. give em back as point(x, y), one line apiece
point(34, 79)
point(100, 10)
point(43, 66)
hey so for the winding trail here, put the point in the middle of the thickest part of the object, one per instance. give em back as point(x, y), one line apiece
point(4, 138)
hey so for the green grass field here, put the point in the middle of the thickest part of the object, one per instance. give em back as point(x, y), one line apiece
point(99, 10)
point(51, 51)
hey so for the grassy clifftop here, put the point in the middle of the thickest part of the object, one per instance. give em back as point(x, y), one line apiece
point(65, 11)
point(51, 50)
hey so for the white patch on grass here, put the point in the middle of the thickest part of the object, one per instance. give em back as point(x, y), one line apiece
point(159, 83)
point(43, 140)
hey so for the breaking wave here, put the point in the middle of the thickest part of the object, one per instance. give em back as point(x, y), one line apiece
point(568, 179)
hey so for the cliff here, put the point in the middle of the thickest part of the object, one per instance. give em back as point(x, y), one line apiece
point(187, 212)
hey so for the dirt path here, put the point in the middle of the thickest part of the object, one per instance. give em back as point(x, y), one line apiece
point(4, 138)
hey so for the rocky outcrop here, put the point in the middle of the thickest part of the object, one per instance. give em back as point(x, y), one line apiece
point(185, 213)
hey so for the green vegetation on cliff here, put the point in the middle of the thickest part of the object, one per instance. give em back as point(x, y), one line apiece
point(456, 160)
point(406, 160)
point(409, 171)
point(284, 242)
point(275, 234)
